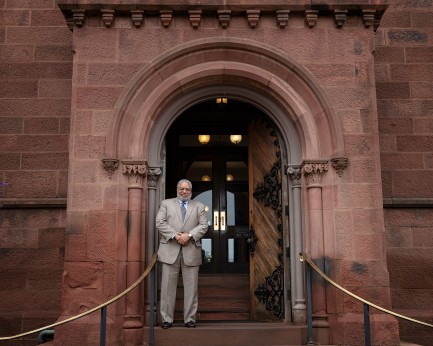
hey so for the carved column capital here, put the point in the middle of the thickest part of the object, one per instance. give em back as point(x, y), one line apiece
point(313, 170)
point(294, 173)
point(340, 164)
point(153, 174)
point(110, 165)
point(136, 171)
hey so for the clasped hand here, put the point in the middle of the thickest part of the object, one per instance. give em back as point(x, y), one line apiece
point(182, 238)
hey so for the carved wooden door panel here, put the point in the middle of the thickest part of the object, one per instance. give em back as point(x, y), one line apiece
point(266, 225)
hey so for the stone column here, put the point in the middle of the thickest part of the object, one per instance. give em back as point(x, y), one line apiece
point(136, 171)
point(296, 245)
point(312, 171)
point(153, 175)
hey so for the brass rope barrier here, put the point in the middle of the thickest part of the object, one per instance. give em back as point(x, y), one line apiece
point(112, 300)
point(303, 257)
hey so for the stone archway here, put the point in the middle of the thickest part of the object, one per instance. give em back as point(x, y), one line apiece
point(287, 93)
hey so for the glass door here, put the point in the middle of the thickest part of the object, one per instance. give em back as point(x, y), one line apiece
point(221, 184)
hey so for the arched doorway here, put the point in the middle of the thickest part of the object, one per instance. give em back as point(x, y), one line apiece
point(230, 151)
point(309, 131)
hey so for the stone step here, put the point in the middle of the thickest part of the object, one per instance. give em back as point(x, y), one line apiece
point(230, 334)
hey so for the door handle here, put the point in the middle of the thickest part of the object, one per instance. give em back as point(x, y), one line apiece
point(223, 221)
point(216, 219)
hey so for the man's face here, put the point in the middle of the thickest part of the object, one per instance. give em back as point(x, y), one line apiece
point(184, 191)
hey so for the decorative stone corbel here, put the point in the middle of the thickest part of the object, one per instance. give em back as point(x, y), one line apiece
point(195, 18)
point(282, 18)
point(78, 16)
point(110, 165)
point(340, 164)
point(294, 173)
point(70, 23)
point(153, 174)
point(224, 17)
point(107, 17)
point(377, 19)
point(253, 17)
point(340, 17)
point(311, 17)
point(313, 171)
point(137, 17)
point(136, 171)
point(166, 17)
point(368, 17)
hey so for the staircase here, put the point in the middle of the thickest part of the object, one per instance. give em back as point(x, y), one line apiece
point(220, 298)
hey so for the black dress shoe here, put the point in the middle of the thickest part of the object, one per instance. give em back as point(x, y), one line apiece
point(165, 325)
point(190, 324)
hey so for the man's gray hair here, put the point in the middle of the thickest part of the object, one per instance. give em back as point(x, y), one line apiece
point(184, 181)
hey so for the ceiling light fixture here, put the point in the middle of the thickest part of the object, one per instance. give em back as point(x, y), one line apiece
point(236, 139)
point(204, 139)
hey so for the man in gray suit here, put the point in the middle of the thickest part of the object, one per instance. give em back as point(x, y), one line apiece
point(181, 223)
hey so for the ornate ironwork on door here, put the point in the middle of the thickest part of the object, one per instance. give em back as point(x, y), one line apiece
point(271, 292)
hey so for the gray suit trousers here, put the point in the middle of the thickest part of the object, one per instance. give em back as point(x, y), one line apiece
point(170, 274)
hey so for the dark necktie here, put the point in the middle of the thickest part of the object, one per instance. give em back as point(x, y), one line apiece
point(183, 209)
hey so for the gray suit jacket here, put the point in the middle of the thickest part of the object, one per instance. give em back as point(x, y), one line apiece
point(169, 222)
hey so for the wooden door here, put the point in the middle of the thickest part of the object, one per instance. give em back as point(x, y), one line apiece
point(266, 225)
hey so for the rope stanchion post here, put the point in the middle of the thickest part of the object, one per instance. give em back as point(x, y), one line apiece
point(309, 306)
point(367, 325)
point(152, 308)
point(103, 330)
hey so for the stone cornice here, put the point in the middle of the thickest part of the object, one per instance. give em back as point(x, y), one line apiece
point(76, 12)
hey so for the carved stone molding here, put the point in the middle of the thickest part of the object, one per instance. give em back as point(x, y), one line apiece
point(282, 18)
point(311, 17)
point(78, 17)
point(340, 17)
point(153, 174)
point(224, 18)
point(136, 171)
point(195, 18)
point(166, 17)
point(110, 165)
point(253, 17)
point(137, 17)
point(313, 170)
point(294, 173)
point(370, 14)
point(340, 164)
point(107, 17)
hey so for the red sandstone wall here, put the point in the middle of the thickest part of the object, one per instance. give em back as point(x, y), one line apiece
point(35, 92)
point(404, 76)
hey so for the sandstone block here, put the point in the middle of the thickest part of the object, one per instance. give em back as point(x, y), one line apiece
point(35, 107)
point(395, 161)
point(45, 161)
point(39, 35)
point(405, 108)
point(111, 74)
point(415, 143)
point(10, 125)
point(412, 72)
point(48, 17)
point(10, 161)
point(22, 88)
point(419, 54)
point(421, 90)
point(14, 17)
point(52, 238)
point(58, 52)
point(88, 147)
point(55, 88)
point(85, 197)
point(41, 125)
point(32, 184)
point(16, 53)
point(97, 97)
point(18, 238)
point(413, 183)
point(398, 237)
point(36, 70)
point(392, 90)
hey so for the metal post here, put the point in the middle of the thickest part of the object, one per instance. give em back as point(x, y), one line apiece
point(103, 326)
point(309, 307)
point(152, 307)
point(367, 325)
